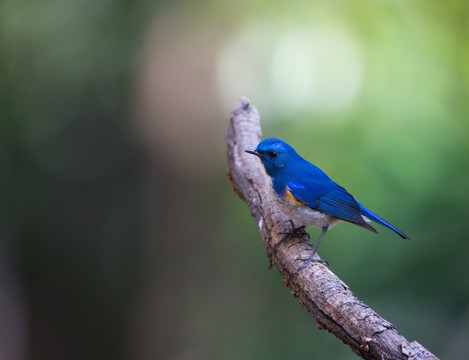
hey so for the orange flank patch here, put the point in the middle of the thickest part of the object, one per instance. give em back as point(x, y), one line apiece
point(290, 198)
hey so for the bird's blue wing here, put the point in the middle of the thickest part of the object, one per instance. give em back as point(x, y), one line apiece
point(328, 197)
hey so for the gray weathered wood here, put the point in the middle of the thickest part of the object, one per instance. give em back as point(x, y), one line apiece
point(328, 298)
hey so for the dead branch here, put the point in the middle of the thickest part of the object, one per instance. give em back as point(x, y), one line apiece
point(328, 298)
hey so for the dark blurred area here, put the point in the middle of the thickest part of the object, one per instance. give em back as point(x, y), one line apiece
point(120, 237)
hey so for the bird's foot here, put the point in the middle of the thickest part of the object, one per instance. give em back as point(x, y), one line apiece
point(295, 231)
point(307, 262)
point(287, 235)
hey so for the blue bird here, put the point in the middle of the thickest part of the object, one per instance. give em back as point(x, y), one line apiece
point(305, 194)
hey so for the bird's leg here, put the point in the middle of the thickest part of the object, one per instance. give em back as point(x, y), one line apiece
point(295, 231)
point(311, 257)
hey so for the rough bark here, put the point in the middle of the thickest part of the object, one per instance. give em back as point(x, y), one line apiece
point(328, 298)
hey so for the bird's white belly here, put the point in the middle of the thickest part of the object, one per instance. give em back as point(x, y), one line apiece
point(306, 215)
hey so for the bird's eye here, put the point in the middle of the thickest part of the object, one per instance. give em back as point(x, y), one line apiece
point(272, 155)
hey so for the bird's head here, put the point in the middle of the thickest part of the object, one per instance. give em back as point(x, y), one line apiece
point(275, 155)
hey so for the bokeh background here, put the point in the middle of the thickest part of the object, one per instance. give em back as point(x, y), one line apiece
point(120, 237)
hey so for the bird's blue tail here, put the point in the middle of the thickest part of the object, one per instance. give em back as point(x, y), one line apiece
point(377, 219)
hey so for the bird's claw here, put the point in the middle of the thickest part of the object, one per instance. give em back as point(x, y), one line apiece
point(307, 262)
point(295, 231)
point(300, 230)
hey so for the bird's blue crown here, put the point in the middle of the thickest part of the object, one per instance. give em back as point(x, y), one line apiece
point(275, 155)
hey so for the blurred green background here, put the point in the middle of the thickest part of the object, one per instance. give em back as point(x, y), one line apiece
point(120, 237)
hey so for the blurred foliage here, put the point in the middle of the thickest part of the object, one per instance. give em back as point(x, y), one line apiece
point(119, 234)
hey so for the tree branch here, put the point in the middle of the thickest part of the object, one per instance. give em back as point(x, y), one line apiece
point(328, 298)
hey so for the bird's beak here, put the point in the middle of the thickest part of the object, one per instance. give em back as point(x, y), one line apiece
point(254, 152)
